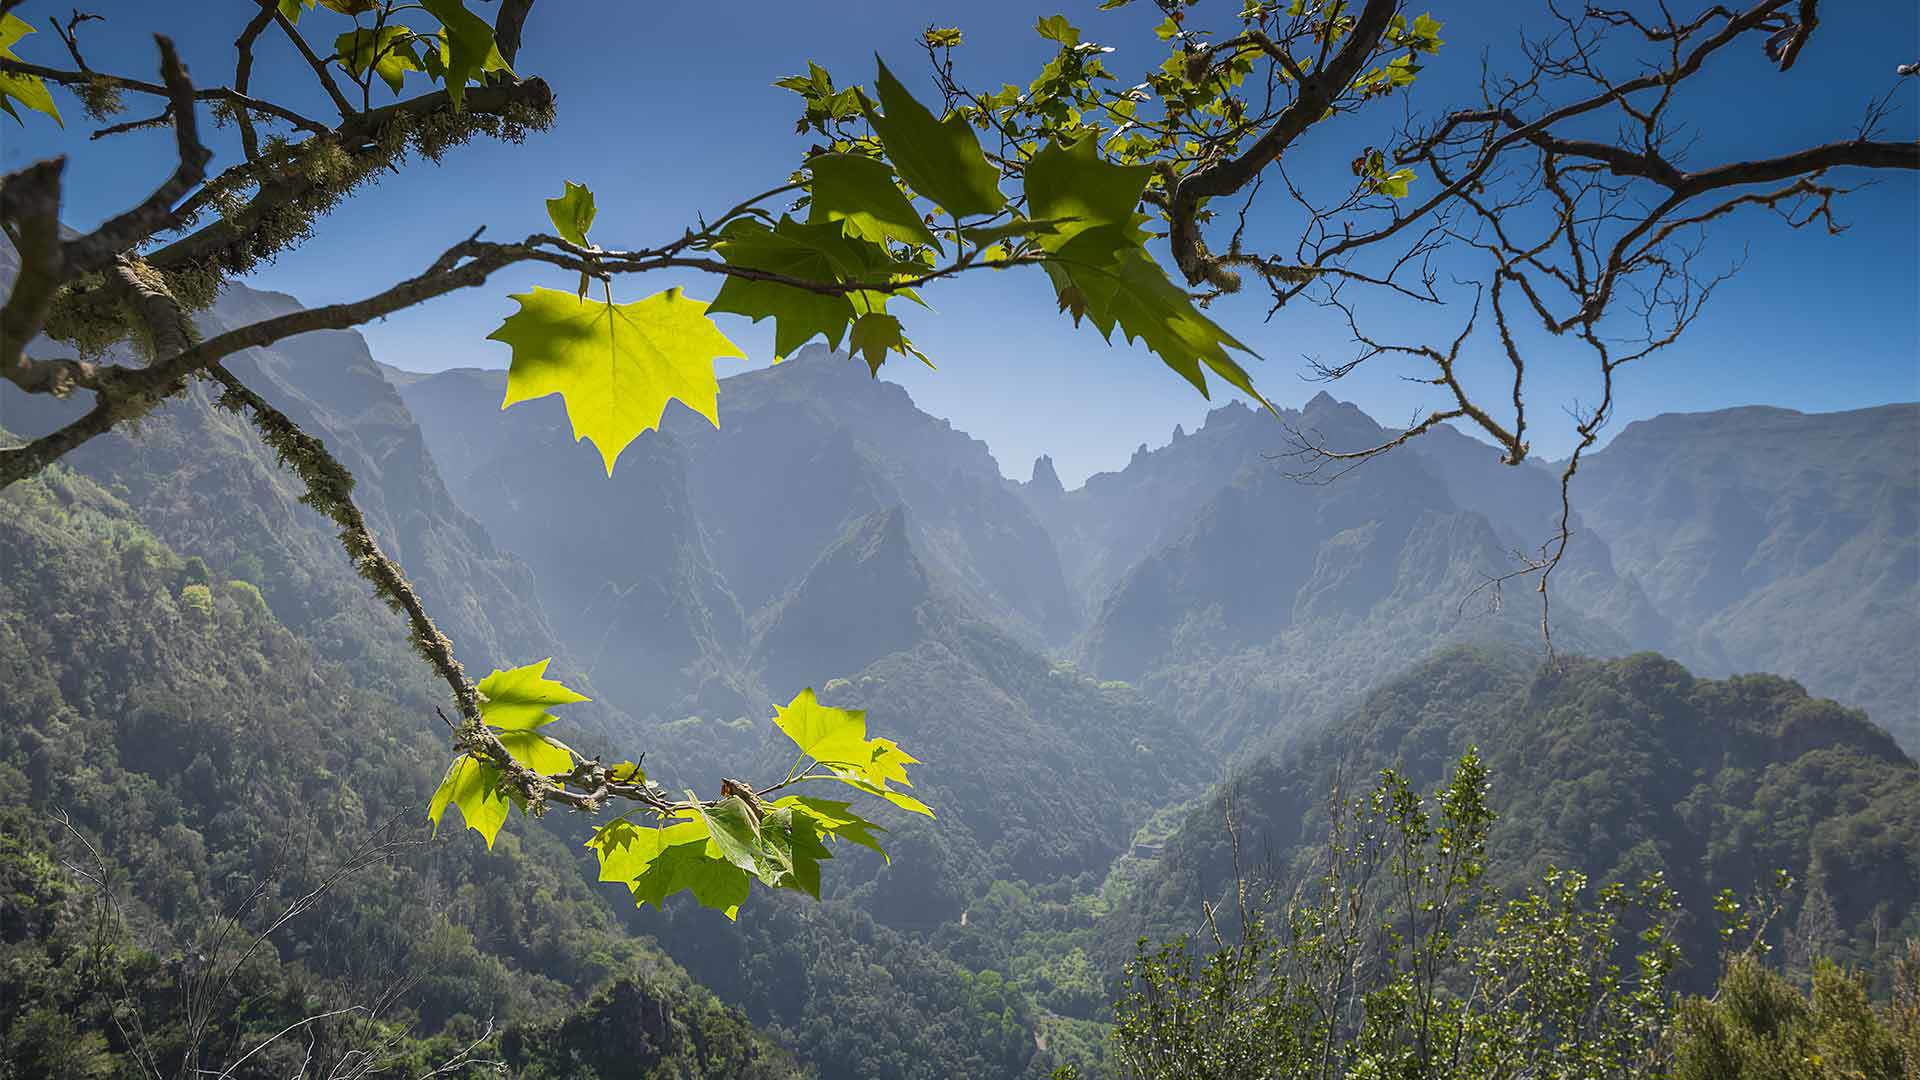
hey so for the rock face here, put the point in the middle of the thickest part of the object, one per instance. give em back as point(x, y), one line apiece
point(803, 449)
point(1045, 481)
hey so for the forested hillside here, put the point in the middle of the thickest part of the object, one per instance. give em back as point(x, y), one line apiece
point(173, 757)
point(1262, 607)
point(1618, 769)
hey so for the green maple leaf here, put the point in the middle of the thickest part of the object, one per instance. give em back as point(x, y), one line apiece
point(792, 840)
point(390, 52)
point(734, 830)
point(858, 780)
point(471, 785)
point(28, 90)
point(625, 850)
point(1101, 269)
point(820, 252)
point(616, 365)
point(655, 863)
point(860, 191)
point(986, 236)
point(1072, 186)
point(466, 46)
point(714, 882)
point(518, 698)
point(572, 213)
point(875, 335)
point(835, 818)
point(940, 159)
point(1057, 28)
point(1120, 285)
point(837, 739)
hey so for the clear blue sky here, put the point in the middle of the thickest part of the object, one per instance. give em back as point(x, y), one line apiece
point(666, 110)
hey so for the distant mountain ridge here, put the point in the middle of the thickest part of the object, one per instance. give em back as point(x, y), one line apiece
point(1751, 539)
point(1773, 540)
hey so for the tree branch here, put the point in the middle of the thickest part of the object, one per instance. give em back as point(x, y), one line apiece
point(155, 213)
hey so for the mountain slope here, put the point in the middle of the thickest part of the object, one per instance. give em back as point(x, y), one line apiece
point(198, 476)
point(646, 612)
point(1774, 540)
point(803, 449)
point(1281, 599)
point(205, 751)
point(860, 602)
point(820, 419)
point(1619, 769)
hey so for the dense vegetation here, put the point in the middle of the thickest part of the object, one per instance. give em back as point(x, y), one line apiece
point(179, 770)
point(1618, 770)
point(216, 748)
point(1395, 956)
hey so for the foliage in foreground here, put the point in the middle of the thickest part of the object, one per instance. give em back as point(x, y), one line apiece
point(1400, 960)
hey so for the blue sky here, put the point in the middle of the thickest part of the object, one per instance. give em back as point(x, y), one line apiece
point(666, 111)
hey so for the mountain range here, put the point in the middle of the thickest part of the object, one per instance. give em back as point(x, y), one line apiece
point(1086, 672)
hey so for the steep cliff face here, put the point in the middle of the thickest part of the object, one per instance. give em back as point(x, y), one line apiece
point(1282, 598)
point(805, 446)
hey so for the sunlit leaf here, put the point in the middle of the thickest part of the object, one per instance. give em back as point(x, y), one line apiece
point(616, 365)
point(518, 698)
point(28, 90)
point(389, 52)
point(572, 213)
point(470, 786)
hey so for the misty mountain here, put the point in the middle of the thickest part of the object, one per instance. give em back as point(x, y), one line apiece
point(1274, 597)
point(647, 614)
point(1772, 540)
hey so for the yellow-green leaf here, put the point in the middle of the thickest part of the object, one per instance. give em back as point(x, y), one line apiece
point(518, 698)
point(538, 752)
point(28, 90)
point(470, 786)
point(389, 52)
point(616, 365)
point(837, 738)
point(657, 863)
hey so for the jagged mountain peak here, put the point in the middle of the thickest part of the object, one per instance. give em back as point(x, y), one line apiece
point(1045, 480)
